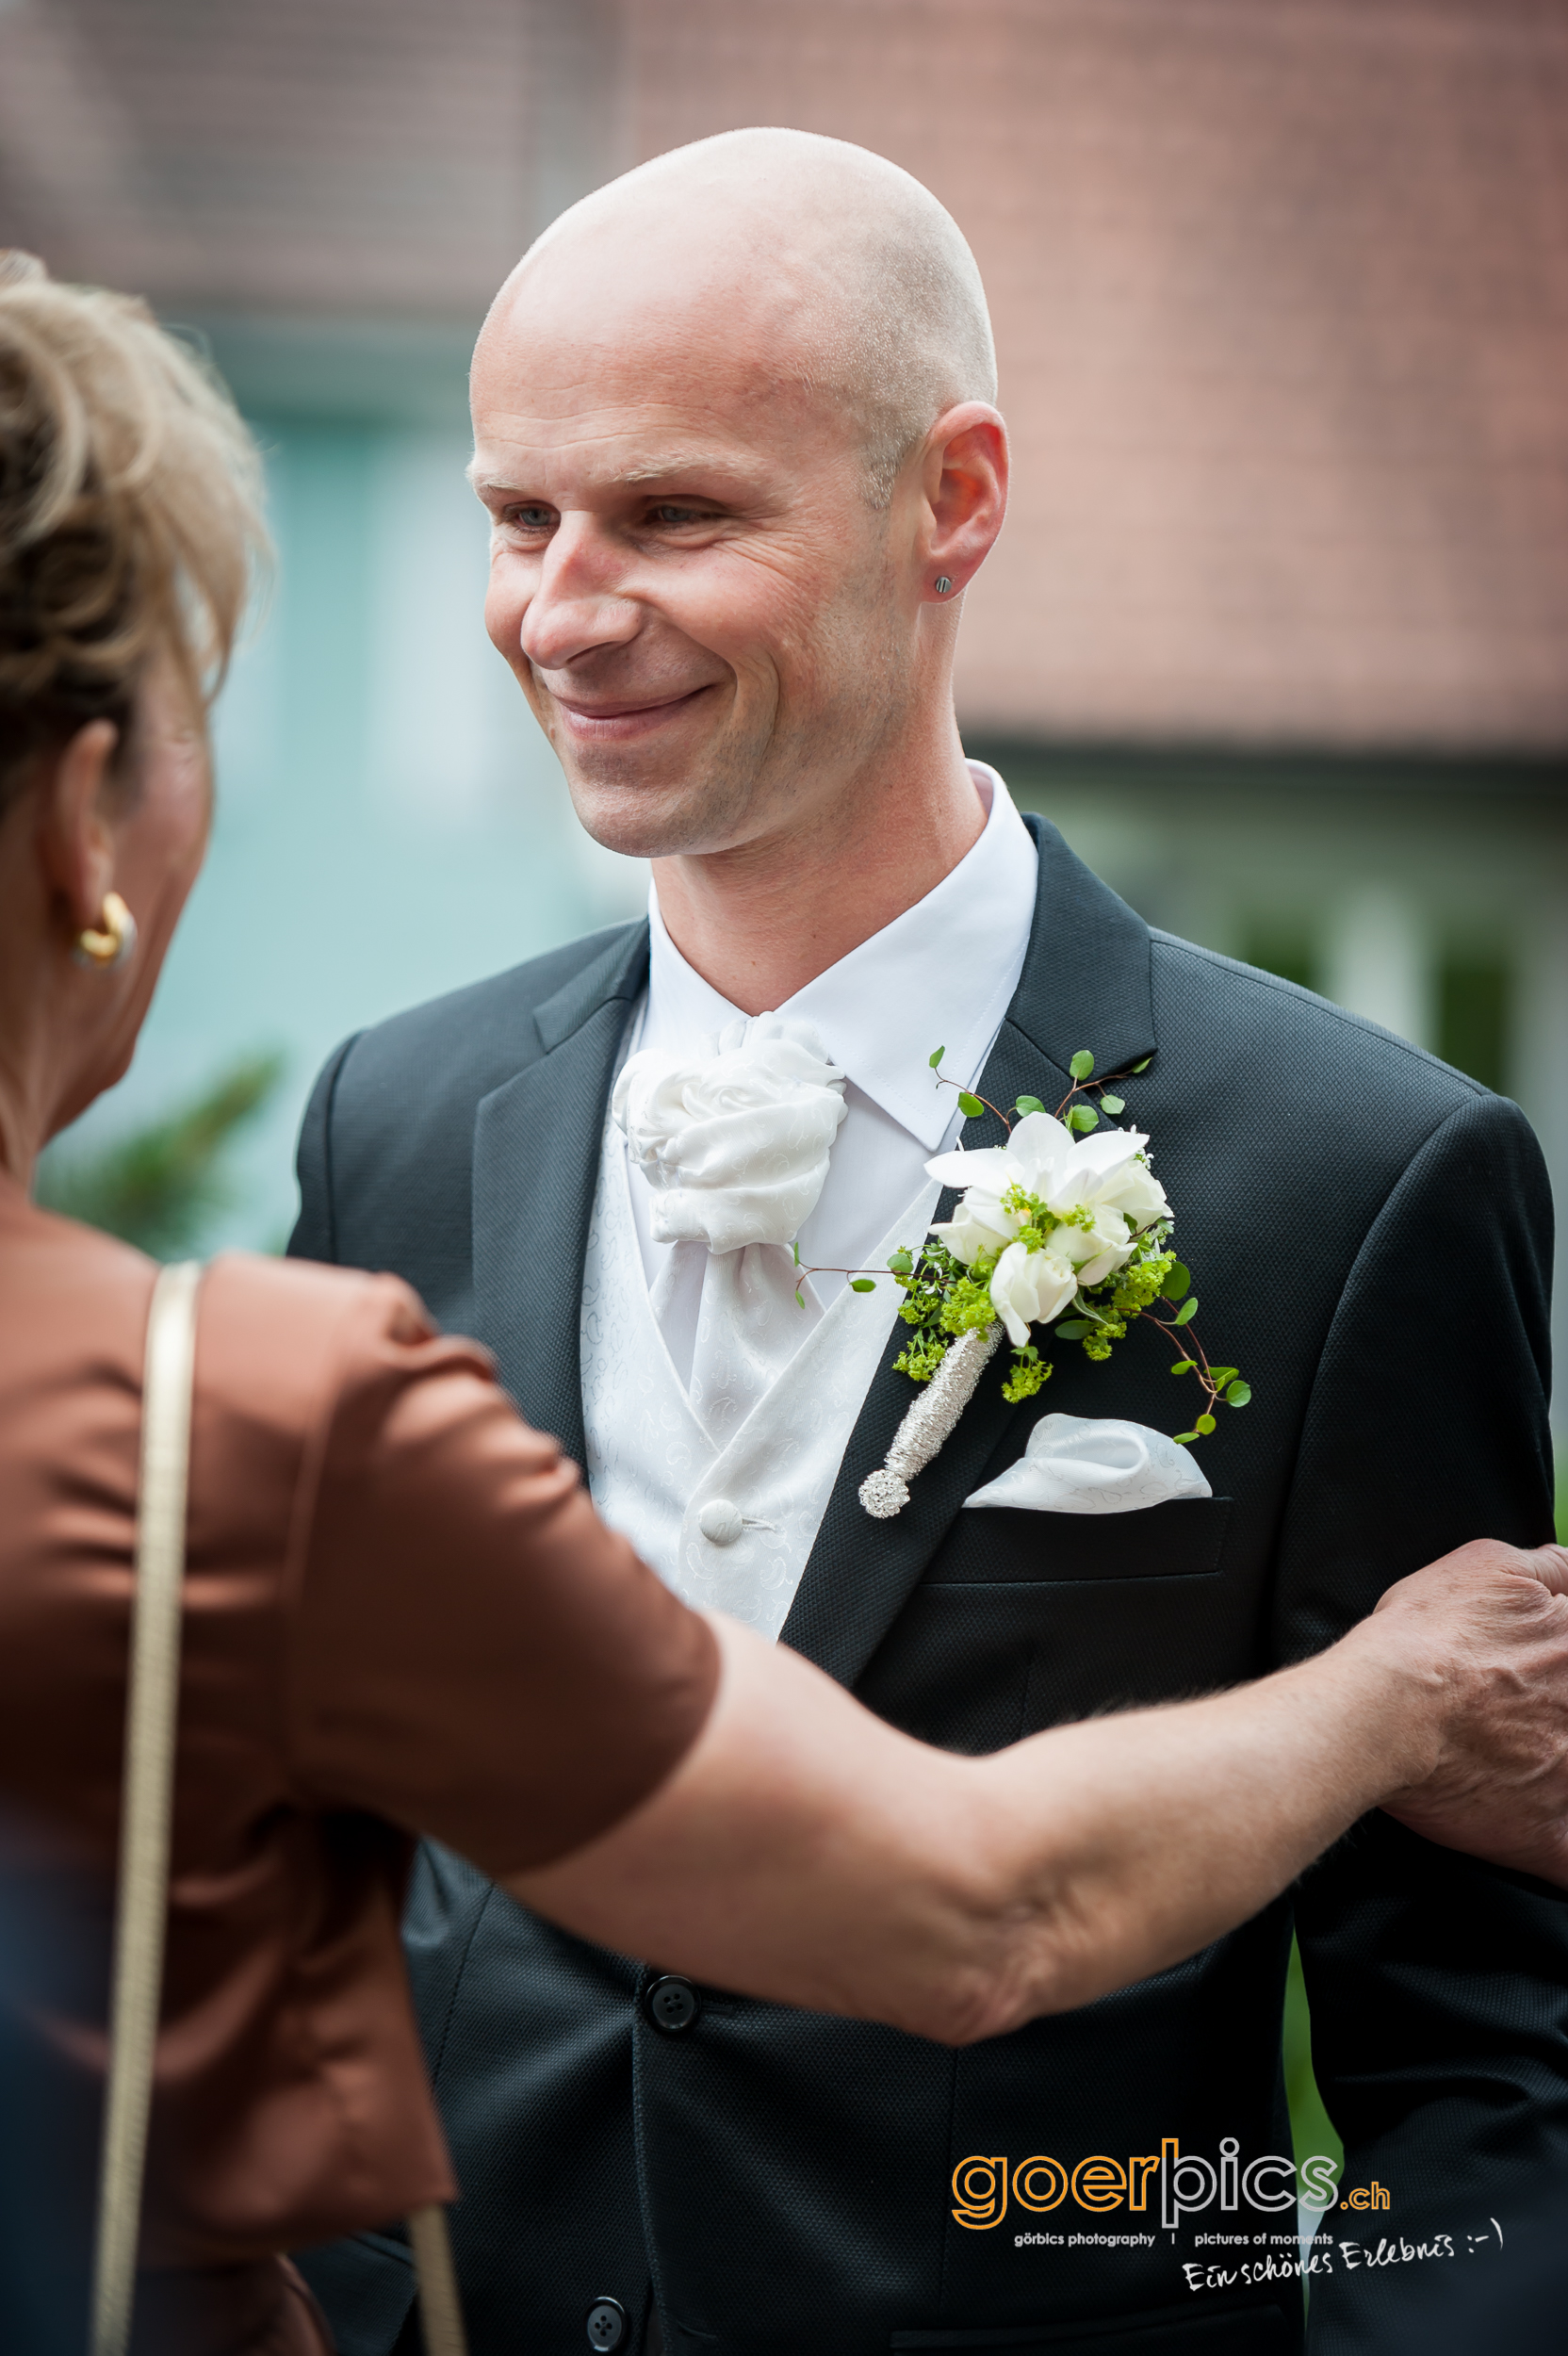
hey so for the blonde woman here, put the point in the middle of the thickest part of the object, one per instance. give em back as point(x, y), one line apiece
point(401, 1613)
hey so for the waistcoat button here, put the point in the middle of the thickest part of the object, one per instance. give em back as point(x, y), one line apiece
point(605, 2325)
point(720, 1522)
point(672, 2005)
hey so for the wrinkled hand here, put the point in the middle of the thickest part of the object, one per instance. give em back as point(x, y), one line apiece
point(1490, 1622)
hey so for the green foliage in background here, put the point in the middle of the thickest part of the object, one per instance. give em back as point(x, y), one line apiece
point(1475, 1018)
point(1311, 2128)
point(161, 1187)
point(1288, 950)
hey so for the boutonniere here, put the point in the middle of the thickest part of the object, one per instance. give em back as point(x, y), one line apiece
point(1066, 1221)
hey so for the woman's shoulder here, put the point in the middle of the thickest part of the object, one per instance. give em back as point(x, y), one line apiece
point(267, 1326)
point(293, 1335)
point(72, 1300)
point(51, 1266)
point(303, 1296)
point(300, 1371)
point(38, 1240)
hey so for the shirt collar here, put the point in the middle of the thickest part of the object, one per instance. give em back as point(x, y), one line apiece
point(941, 974)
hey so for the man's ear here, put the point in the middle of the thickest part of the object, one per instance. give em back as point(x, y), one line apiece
point(75, 839)
point(964, 478)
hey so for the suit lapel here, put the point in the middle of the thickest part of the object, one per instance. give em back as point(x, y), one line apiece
point(1084, 983)
point(536, 1156)
point(1086, 977)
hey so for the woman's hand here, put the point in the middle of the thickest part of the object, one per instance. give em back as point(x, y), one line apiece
point(1492, 1623)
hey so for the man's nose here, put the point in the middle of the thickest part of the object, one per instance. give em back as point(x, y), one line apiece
point(578, 606)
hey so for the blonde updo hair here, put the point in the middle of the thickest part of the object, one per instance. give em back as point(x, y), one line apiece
point(130, 512)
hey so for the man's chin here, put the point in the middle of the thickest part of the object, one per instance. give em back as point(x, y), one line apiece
point(648, 826)
point(650, 817)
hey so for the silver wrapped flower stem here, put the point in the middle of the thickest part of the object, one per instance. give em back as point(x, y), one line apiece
point(929, 1421)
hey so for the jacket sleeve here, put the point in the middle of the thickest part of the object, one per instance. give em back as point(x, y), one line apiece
point(1438, 1986)
point(315, 1236)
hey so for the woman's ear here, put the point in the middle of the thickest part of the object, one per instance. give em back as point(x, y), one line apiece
point(75, 838)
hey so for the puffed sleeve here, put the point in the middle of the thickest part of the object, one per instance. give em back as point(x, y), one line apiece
point(471, 1653)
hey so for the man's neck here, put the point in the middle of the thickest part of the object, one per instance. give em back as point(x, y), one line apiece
point(761, 921)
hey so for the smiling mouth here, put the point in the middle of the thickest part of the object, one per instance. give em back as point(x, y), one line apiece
point(623, 718)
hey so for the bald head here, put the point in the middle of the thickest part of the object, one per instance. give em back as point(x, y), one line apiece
point(861, 285)
point(734, 429)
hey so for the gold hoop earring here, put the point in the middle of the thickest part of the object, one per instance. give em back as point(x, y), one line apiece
point(104, 951)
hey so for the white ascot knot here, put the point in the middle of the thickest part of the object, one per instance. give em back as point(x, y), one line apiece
point(1094, 1465)
point(734, 1143)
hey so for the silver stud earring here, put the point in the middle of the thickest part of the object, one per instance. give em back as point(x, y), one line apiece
point(944, 585)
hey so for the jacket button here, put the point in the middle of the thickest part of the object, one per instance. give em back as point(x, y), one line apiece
point(720, 1522)
point(672, 2005)
point(605, 2325)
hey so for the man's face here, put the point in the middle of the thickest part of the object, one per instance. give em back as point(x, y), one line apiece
point(710, 622)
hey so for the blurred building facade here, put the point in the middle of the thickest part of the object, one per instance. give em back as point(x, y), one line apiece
point(1278, 629)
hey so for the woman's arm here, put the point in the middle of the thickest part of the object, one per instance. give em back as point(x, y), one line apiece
point(476, 1656)
point(806, 1852)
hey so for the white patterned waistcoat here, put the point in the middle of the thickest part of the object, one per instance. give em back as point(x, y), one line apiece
point(651, 1464)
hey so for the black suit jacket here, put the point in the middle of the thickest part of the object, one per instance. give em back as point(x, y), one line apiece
point(1370, 1239)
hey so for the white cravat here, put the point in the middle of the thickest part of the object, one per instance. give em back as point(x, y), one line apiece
point(734, 1143)
point(941, 975)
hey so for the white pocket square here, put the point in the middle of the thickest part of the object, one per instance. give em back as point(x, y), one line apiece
point(1094, 1465)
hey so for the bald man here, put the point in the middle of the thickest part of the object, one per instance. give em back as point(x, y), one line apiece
point(735, 427)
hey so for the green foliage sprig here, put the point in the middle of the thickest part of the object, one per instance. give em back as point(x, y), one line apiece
point(942, 1299)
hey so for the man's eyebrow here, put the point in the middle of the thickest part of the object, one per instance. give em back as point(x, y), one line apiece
point(634, 477)
point(682, 463)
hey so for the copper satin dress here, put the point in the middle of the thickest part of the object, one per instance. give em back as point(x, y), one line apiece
point(403, 1616)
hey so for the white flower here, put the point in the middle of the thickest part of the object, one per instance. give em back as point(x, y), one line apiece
point(978, 1224)
point(1100, 1176)
point(1133, 1189)
point(1029, 1287)
point(1097, 1252)
point(734, 1143)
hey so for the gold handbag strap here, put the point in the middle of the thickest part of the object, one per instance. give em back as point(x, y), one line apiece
point(141, 1907)
point(440, 2309)
point(148, 1788)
